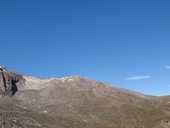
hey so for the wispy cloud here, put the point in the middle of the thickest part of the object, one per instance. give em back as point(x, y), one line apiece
point(167, 67)
point(138, 77)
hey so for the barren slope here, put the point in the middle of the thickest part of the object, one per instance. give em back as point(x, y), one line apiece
point(77, 102)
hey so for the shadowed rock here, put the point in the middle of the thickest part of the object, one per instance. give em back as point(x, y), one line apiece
point(8, 81)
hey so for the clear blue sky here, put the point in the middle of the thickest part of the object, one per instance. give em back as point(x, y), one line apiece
point(122, 42)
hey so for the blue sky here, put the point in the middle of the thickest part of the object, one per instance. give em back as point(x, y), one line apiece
point(125, 43)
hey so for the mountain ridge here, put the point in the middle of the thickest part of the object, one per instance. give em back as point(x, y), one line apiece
point(75, 102)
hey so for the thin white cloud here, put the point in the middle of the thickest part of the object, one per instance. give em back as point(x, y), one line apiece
point(167, 67)
point(138, 77)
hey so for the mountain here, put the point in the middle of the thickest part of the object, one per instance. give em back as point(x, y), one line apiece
point(76, 102)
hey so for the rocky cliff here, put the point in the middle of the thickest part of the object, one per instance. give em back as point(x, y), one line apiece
point(8, 81)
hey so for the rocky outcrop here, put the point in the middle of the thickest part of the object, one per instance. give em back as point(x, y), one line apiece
point(8, 81)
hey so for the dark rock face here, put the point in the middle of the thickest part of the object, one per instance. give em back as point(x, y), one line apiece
point(8, 81)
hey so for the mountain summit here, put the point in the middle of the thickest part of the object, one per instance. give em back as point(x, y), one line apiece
point(76, 102)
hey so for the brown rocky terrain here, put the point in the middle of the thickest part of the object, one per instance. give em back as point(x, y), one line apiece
point(76, 102)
